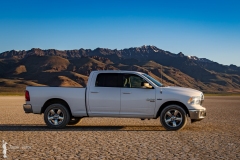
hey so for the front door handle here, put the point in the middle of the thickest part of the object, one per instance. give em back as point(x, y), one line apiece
point(151, 100)
point(94, 92)
point(126, 92)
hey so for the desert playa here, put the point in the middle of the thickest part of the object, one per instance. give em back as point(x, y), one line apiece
point(216, 137)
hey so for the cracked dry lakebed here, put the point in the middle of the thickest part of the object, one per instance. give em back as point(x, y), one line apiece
point(215, 137)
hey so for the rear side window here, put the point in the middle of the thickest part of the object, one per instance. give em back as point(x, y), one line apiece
point(108, 80)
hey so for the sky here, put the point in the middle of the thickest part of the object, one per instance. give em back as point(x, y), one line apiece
point(206, 29)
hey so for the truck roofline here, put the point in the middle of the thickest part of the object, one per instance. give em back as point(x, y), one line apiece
point(115, 71)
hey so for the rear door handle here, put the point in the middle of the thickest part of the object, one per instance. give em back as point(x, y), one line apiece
point(94, 92)
point(126, 92)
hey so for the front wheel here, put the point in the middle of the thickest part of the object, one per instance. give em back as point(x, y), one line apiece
point(56, 116)
point(74, 121)
point(173, 117)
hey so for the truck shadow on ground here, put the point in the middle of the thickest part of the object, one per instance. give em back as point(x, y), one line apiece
point(80, 128)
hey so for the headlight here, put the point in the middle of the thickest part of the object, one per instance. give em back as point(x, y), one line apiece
point(194, 100)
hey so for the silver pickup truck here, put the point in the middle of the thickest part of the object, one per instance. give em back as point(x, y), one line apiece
point(127, 94)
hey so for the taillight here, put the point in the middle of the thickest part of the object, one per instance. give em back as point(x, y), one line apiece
point(27, 96)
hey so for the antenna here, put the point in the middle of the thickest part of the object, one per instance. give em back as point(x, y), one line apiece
point(161, 74)
point(161, 79)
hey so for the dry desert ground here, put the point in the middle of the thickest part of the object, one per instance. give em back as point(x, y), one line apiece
point(216, 137)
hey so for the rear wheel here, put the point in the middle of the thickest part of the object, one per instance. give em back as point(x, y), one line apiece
point(74, 121)
point(56, 116)
point(173, 117)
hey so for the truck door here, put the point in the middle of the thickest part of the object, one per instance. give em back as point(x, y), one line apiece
point(104, 95)
point(136, 101)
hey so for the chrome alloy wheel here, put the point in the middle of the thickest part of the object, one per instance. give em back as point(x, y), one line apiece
point(173, 118)
point(55, 116)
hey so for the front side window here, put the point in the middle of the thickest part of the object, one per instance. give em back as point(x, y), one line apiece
point(108, 80)
point(153, 80)
point(132, 81)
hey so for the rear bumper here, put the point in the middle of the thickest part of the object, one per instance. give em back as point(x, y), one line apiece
point(197, 114)
point(27, 108)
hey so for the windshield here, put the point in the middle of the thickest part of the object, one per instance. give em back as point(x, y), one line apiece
point(153, 80)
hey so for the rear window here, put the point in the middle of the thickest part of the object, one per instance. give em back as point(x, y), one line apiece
point(108, 80)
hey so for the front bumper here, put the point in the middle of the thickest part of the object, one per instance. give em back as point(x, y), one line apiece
point(27, 108)
point(197, 114)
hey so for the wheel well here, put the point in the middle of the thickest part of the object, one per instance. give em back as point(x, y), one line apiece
point(55, 100)
point(170, 103)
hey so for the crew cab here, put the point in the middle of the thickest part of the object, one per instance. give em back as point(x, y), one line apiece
point(123, 94)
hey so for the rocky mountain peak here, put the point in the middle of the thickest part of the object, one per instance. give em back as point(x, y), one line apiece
point(180, 54)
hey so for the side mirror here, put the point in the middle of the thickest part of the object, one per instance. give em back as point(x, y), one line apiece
point(146, 85)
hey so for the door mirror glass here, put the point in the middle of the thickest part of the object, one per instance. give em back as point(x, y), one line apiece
point(146, 85)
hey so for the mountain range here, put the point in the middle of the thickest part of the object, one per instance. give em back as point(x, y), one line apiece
point(37, 67)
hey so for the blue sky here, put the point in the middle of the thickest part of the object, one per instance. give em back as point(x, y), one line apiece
point(206, 29)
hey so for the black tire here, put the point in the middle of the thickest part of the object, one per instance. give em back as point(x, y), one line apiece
point(173, 118)
point(74, 120)
point(56, 116)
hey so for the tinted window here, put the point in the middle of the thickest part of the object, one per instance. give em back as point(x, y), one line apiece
point(153, 80)
point(108, 80)
point(132, 81)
